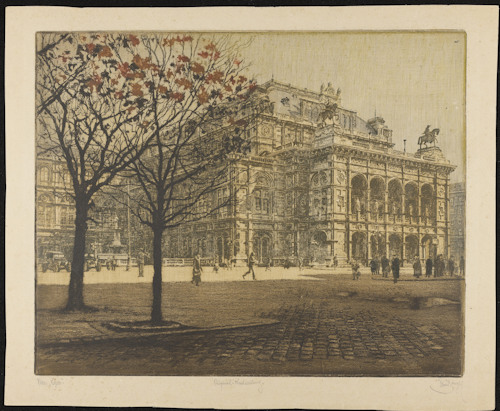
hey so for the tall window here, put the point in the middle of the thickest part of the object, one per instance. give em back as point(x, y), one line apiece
point(262, 201)
point(222, 198)
point(44, 175)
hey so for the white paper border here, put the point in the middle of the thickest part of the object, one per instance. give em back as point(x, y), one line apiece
point(475, 390)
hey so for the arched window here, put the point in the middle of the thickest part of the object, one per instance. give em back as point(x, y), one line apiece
point(411, 200)
point(395, 196)
point(358, 194)
point(377, 198)
point(427, 204)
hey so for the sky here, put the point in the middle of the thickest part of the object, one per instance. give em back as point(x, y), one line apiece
point(411, 79)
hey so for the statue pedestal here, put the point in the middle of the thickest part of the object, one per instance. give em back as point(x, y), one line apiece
point(431, 153)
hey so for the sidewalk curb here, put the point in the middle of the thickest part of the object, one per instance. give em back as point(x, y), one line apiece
point(432, 279)
point(144, 336)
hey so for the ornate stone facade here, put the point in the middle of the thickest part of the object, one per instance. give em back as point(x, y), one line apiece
point(322, 182)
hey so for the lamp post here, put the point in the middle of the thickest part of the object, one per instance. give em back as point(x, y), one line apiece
point(128, 224)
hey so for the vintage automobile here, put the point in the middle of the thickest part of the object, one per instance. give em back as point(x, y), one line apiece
point(91, 262)
point(55, 261)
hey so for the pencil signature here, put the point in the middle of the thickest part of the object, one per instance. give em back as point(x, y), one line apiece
point(238, 381)
point(445, 386)
point(52, 382)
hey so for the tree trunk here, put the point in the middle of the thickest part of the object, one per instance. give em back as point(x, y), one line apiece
point(75, 291)
point(156, 314)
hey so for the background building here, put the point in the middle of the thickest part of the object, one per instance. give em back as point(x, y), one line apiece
point(319, 182)
point(322, 182)
point(55, 215)
point(457, 220)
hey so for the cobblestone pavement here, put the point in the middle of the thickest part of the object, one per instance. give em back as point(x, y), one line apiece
point(310, 339)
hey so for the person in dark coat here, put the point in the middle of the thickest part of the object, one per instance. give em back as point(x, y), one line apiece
point(451, 266)
point(385, 267)
point(373, 266)
point(462, 265)
point(355, 270)
point(197, 270)
point(377, 266)
point(428, 267)
point(395, 269)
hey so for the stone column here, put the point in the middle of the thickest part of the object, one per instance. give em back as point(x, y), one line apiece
point(386, 206)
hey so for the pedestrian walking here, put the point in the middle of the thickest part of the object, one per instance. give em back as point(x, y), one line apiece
point(268, 264)
point(335, 261)
point(113, 263)
point(462, 265)
point(377, 266)
point(197, 270)
point(251, 263)
point(355, 270)
point(395, 269)
point(428, 267)
point(385, 267)
point(373, 266)
point(216, 267)
point(417, 267)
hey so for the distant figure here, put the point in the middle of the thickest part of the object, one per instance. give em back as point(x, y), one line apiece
point(140, 262)
point(417, 267)
point(268, 264)
point(335, 261)
point(216, 267)
point(373, 266)
point(442, 266)
point(197, 270)
point(439, 266)
point(355, 270)
point(385, 267)
point(395, 269)
point(300, 263)
point(113, 263)
point(357, 206)
point(428, 267)
point(462, 265)
point(251, 263)
point(377, 266)
point(451, 266)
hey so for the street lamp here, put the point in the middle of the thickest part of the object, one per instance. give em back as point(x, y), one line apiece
point(128, 224)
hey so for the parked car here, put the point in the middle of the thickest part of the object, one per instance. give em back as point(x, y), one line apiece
point(91, 262)
point(55, 261)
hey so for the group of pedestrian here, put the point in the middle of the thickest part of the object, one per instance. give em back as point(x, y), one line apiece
point(440, 266)
point(111, 264)
point(385, 266)
point(375, 266)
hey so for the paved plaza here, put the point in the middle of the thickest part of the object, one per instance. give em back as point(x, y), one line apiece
point(287, 322)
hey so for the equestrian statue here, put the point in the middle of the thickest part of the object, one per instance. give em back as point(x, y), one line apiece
point(428, 137)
